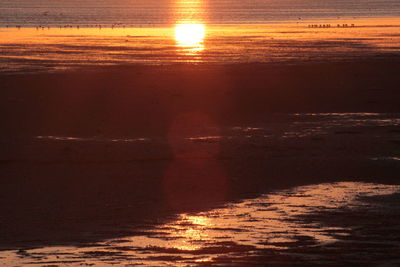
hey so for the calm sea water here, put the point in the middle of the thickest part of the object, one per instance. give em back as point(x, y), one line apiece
point(158, 12)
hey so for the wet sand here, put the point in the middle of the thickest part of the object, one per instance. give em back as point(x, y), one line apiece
point(112, 152)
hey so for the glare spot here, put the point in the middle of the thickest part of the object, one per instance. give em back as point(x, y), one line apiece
point(190, 35)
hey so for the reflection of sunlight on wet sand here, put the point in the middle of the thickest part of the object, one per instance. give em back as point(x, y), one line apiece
point(279, 221)
point(275, 219)
point(191, 231)
point(199, 220)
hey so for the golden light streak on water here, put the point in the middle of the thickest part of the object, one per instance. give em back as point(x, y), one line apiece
point(190, 29)
point(190, 11)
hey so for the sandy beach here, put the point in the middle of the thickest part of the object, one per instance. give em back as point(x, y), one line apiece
point(106, 153)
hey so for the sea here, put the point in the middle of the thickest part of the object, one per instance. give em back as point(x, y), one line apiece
point(32, 13)
point(45, 35)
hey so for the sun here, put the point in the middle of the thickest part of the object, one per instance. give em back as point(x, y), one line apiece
point(190, 35)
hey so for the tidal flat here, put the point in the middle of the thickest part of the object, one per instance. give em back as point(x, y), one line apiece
point(235, 164)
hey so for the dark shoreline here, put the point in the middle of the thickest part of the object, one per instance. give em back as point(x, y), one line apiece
point(77, 193)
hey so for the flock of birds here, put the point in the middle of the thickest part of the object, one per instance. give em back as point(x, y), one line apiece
point(120, 25)
point(329, 25)
point(40, 27)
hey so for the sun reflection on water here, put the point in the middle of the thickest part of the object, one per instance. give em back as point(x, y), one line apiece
point(190, 29)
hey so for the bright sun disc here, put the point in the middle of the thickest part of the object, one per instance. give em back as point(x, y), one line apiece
point(190, 35)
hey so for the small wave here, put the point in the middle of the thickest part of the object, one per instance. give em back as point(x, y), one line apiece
point(91, 139)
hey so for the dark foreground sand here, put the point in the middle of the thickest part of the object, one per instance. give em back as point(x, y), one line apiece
point(55, 192)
